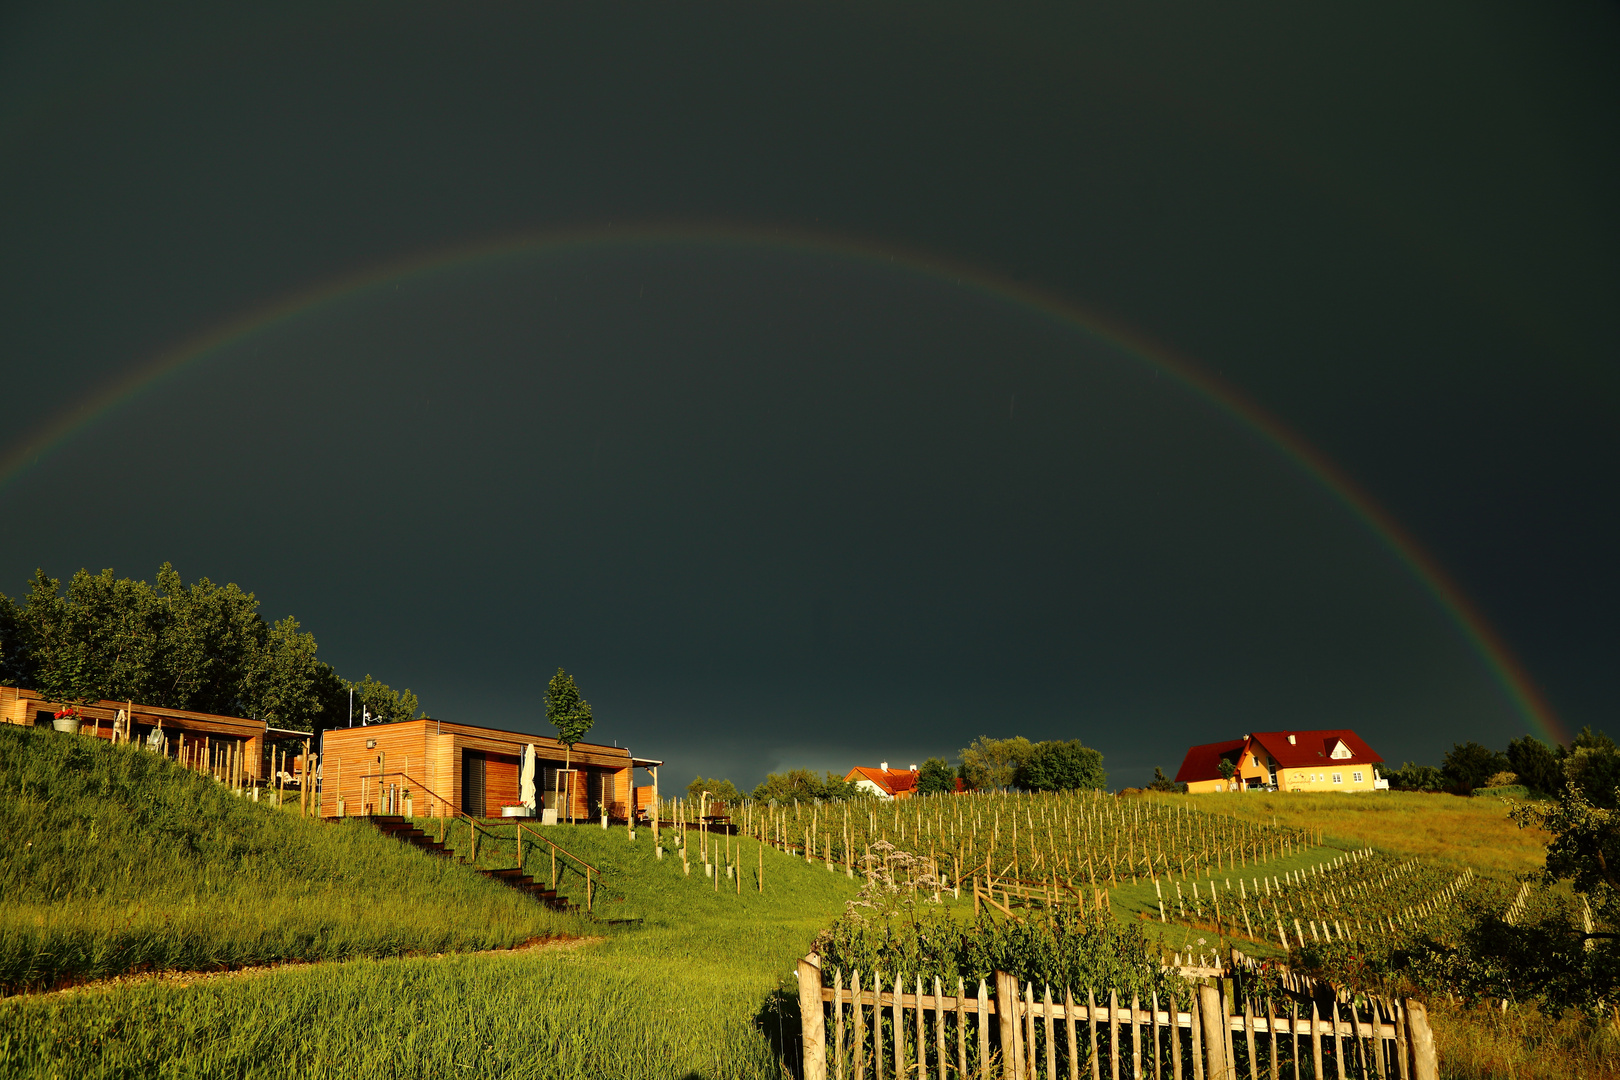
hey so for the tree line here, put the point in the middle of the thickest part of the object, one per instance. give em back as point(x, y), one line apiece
point(1591, 762)
point(202, 647)
point(986, 765)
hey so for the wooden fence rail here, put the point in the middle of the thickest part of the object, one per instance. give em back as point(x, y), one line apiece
point(881, 1024)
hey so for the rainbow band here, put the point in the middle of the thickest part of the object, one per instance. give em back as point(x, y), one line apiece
point(1514, 680)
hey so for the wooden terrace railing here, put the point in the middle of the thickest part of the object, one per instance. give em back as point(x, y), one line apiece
point(475, 827)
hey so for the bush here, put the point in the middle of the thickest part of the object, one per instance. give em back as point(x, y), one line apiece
point(1412, 777)
point(1469, 765)
point(1080, 950)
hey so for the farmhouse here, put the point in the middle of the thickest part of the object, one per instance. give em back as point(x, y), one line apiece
point(1335, 760)
point(434, 768)
point(884, 782)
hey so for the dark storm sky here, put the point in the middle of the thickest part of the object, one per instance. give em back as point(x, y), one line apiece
point(777, 505)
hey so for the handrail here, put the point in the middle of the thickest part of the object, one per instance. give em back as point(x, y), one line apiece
point(558, 848)
point(474, 823)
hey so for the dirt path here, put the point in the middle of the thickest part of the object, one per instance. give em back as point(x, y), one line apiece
point(187, 978)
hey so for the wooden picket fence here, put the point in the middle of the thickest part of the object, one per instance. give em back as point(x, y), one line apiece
point(891, 1028)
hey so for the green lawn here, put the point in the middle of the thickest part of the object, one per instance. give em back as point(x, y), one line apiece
point(131, 859)
point(688, 990)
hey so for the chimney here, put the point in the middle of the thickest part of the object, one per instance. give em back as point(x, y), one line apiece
point(913, 766)
point(1290, 740)
point(884, 765)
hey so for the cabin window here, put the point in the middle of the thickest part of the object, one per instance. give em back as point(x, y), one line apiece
point(1356, 777)
point(1338, 778)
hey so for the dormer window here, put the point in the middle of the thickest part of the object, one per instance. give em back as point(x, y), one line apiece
point(1340, 750)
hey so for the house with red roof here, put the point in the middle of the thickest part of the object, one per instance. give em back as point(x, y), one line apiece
point(1337, 760)
point(884, 782)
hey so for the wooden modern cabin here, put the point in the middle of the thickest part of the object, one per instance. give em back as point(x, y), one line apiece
point(195, 739)
point(431, 768)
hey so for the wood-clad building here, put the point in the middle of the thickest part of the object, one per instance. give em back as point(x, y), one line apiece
point(190, 737)
point(428, 768)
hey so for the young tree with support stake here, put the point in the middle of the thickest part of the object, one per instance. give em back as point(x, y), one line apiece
point(570, 714)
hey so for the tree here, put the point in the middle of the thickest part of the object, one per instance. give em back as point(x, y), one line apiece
point(1593, 765)
point(721, 792)
point(1062, 766)
point(281, 687)
point(568, 712)
point(1162, 782)
point(1228, 769)
point(936, 777)
point(992, 764)
point(803, 785)
point(1469, 765)
point(1536, 765)
point(200, 646)
point(1413, 777)
point(1584, 849)
point(382, 704)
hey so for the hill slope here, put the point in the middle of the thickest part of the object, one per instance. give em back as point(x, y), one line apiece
point(121, 861)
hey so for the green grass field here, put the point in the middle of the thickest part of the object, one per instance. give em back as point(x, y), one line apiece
point(126, 862)
point(1438, 828)
point(688, 991)
point(198, 878)
point(120, 861)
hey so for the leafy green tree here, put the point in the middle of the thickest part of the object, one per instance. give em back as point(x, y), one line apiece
point(1469, 765)
point(803, 785)
point(98, 640)
point(200, 646)
point(992, 764)
point(1228, 769)
point(1162, 782)
point(1593, 765)
point(1584, 849)
point(384, 705)
point(208, 643)
point(721, 792)
point(568, 712)
point(1536, 765)
point(936, 777)
point(280, 686)
point(329, 694)
point(1413, 777)
point(16, 659)
point(1062, 766)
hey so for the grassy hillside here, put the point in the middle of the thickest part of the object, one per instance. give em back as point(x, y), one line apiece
point(120, 861)
point(688, 990)
point(1441, 828)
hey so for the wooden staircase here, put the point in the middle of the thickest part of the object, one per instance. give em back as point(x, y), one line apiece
point(401, 829)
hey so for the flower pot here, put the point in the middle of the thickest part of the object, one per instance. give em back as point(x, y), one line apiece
point(516, 811)
point(66, 724)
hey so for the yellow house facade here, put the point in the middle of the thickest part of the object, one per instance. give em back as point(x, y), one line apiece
point(1322, 760)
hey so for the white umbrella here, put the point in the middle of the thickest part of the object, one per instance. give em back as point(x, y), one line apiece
point(527, 796)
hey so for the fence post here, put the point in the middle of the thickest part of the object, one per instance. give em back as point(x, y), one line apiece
point(1425, 1063)
point(1212, 1017)
point(1007, 1019)
point(812, 1024)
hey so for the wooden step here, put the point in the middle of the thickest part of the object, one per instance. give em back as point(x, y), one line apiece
point(402, 830)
